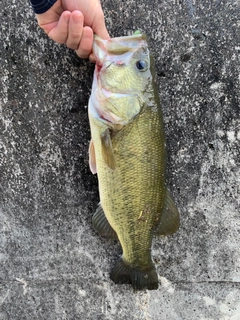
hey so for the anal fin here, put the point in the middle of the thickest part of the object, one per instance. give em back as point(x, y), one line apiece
point(101, 224)
point(170, 220)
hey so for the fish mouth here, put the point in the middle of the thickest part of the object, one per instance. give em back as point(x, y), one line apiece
point(112, 47)
point(118, 51)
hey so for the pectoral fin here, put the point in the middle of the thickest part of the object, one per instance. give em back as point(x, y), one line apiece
point(107, 149)
point(170, 219)
point(92, 158)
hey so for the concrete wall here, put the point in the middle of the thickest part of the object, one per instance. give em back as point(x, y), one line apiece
point(53, 264)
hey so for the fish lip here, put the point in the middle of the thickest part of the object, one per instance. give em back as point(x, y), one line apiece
point(100, 67)
point(103, 48)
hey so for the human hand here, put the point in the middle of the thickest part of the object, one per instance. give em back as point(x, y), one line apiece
point(74, 22)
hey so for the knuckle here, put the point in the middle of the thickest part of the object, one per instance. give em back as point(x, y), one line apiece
point(75, 35)
point(72, 46)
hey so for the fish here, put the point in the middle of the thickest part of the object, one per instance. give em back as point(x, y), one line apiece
point(127, 151)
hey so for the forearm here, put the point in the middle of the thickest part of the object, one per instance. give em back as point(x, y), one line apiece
point(41, 6)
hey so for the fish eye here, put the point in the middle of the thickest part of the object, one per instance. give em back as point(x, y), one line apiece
point(141, 65)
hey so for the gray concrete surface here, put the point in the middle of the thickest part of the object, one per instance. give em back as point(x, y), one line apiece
point(53, 264)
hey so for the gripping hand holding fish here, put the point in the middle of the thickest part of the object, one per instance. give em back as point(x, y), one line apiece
point(127, 151)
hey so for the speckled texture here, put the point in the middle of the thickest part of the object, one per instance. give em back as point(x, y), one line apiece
point(53, 265)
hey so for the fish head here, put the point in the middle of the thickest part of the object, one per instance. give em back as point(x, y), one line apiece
point(123, 77)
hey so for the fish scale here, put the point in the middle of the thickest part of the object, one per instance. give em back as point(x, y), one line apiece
point(139, 174)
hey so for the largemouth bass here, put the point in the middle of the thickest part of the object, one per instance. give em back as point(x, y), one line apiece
point(127, 151)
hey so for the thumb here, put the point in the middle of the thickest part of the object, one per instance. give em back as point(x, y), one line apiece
point(99, 27)
point(102, 32)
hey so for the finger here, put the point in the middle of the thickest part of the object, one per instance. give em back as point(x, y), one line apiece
point(92, 57)
point(85, 46)
point(99, 26)
point(75, 30)
point(58, 31)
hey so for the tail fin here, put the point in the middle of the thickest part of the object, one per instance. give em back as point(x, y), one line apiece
point(140, 278)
